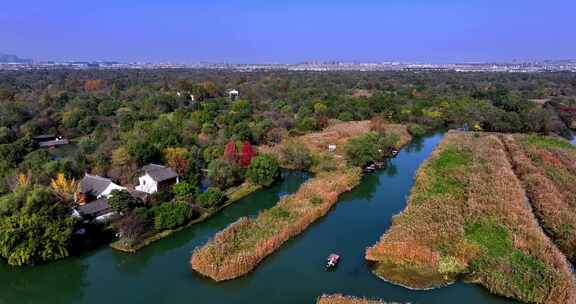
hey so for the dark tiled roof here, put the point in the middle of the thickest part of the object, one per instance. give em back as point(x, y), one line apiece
point(138, 194)
point(93, 185)
point(57, 142)
point(44, 137)
point(159, 173)
point(95, 208)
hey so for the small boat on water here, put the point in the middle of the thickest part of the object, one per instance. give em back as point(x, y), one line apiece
point(369, 167)
point(332, 261)
point(394, 152)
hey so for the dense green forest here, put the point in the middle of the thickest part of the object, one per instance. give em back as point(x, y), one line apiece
point(119, 120)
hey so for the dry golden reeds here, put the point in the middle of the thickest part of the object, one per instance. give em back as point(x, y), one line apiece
point(549, 176)
point(468, 216)
point(237, 249)
point(341, 299)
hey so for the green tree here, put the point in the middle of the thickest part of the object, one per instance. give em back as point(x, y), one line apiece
point(263, 170)
point(223, 174)
point(212, 197)
point(296, 155)
point(122, 201)
point(171, 215)
point(34, 227)
point(369, 147)
point(184, 191)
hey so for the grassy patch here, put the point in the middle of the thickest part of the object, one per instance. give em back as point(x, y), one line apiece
point(443, 175)
point(548, 142)
point(526, 273)
point(492, 237)
point(411, 274)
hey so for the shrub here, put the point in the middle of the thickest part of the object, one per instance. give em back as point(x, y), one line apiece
point(263, 170)
point(296, 155)
point(223, 174)
point(416, 129)
point(135, 225)
point(316, 200)
point(325, 162)
point(210, 198)
point(346, 116)
point(171, 215)
point(184, 191)
point(368, 147)
point(122, 201)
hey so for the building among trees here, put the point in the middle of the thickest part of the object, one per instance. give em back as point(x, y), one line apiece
point(156, 178)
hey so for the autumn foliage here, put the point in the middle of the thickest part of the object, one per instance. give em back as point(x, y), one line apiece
point(247, 154)
point(93, 85)
point(63, 187)
point(178, 159)
point(230, 152)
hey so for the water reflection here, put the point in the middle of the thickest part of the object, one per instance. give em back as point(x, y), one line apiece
point(391, 169)
point(62, 282)
point(416, 145)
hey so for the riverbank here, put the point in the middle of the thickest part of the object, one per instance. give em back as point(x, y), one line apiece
point(243, 245)
point(468, 215)
point(341, 299)
point(233, 195)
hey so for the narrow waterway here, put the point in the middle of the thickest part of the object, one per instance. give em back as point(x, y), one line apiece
point(295, 274)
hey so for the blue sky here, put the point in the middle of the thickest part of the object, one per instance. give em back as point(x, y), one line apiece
point(289, 31)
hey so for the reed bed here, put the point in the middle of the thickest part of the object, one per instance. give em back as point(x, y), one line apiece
point(339, 133)
point(468, 216)
point(237, 250)
point(341, 299)
point(547, 169)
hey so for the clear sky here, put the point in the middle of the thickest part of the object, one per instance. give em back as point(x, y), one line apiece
point(260, 31)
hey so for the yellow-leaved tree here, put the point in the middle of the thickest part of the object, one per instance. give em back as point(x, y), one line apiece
point(63, 187)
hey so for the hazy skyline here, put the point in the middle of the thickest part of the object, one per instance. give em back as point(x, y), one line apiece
point(259, 31)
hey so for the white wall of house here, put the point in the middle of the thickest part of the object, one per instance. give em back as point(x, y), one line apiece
point(147, 184)
point(111, 187)
point(105, 217)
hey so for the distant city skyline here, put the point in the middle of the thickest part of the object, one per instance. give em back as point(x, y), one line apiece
point(257, 31)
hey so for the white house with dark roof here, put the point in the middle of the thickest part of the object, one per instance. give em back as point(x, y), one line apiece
point(93, 187)
point(98, 210)
point(92, 198)
point(156, 178)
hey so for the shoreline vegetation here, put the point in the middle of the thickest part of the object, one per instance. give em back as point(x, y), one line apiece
point(240, 247)
point(233, 194)
point(469, 217)
point(342, 299)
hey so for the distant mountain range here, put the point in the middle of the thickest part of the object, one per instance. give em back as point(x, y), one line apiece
point(9, 58)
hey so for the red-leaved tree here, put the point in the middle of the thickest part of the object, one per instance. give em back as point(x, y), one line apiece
point(230, 152)
point(247, 154)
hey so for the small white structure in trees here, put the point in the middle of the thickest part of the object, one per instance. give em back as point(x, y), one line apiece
point(233, 95)
point(332, 148)
point(156, 178)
